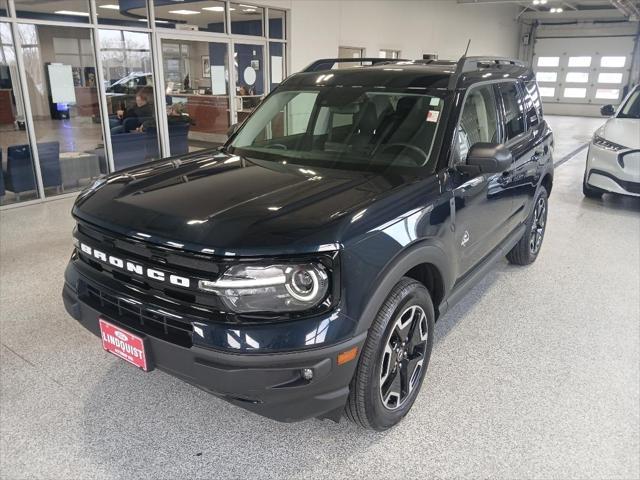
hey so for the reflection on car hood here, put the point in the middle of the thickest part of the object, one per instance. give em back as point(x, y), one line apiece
point(623, 131)
point(228, 204)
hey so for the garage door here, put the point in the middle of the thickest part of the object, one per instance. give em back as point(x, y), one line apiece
point(577, 75)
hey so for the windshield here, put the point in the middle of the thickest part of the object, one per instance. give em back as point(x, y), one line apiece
point(631, 109)
point(342, 127)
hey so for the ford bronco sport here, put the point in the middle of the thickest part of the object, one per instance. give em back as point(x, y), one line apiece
point(297, 271)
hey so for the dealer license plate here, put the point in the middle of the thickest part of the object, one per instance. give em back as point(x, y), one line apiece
point(123, 344)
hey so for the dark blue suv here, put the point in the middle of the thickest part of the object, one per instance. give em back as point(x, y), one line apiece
point(298, 270)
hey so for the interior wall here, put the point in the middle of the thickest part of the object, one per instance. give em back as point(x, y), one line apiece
point(414, 28)
point(319, 27)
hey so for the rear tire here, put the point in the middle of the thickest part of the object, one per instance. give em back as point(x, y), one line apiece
point(588, 191)
point(394, 359)
point(526, 250)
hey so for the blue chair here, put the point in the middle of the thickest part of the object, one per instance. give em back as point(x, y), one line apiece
point(151, 143)
point(20, 176)
point(179, 138)
point(49, 156)
point(129, 149)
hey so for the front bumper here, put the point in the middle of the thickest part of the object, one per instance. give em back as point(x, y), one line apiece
point(611, 171)
point(268, 384)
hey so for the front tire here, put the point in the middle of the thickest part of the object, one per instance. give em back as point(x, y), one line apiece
point(588, 191)
point(526, 250)
point(394, 359)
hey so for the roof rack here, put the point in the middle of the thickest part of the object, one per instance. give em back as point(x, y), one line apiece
point(464, 65)
point(328, 63)
point(473, 64)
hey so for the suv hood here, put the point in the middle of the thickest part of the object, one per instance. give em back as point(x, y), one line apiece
point(228, 205)
point(623, 131)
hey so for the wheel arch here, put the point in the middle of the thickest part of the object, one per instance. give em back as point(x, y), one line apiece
point(425, 262)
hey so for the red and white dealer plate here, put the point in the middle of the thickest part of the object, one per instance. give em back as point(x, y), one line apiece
point(123, 344)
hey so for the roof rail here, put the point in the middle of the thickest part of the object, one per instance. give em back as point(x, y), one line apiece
point(328, 63)
point(473, 64)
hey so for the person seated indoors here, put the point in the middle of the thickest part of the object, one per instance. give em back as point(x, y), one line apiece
point(175, 115)
point(142, 111)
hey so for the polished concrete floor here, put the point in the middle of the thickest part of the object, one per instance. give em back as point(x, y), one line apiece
point(535, 374)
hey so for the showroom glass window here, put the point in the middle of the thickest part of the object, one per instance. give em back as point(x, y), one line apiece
point(277, 63)
point(122, 13)
point(194, 15)
point(277, 58)
point(17, 175)
point(62, 88)
point(246, 19)
point(76, 11)
point(128, 87)
point(86, 122)
point(277, 24)
point(196, 87)
point(513, 110)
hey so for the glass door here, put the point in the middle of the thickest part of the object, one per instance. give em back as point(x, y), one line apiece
point(62, 86)
point(17, 174)
point(249, 68)
point(196, 86)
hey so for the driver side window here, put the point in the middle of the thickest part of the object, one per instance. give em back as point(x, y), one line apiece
point(478, 122)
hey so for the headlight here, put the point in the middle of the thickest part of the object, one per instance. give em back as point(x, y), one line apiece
point(270, 288)
point(606, 144)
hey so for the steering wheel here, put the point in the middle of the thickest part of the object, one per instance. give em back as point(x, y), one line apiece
point(279, 145)
point(412, 148)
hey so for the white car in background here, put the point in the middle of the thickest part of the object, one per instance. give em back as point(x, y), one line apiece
point(613, 159)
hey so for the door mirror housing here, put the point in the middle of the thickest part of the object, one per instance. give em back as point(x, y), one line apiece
point(607, 110)
point(233, 129)
point(487, 158)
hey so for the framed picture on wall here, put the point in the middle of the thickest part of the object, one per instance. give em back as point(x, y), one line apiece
point(206, 67)
point(89, 77)
point(77, 76)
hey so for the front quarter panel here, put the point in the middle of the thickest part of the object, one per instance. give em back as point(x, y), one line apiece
point(375, 262)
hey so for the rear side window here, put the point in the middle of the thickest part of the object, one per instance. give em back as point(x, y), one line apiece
point(532, 104)
point(478, 122)
point(513, 110)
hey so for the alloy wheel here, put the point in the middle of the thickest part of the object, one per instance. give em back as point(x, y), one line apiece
point(403, 357)
point(538, 225)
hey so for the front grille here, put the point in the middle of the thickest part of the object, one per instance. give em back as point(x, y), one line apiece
point(168, 261)
point(130, 313)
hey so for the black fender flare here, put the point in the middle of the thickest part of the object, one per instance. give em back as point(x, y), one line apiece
point(419, 253)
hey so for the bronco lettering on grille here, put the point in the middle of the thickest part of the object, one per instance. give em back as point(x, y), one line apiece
point(136, 268)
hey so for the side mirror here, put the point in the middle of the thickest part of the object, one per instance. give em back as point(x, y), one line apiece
point(608, 111)
point(233, 129)
point(488, 158)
